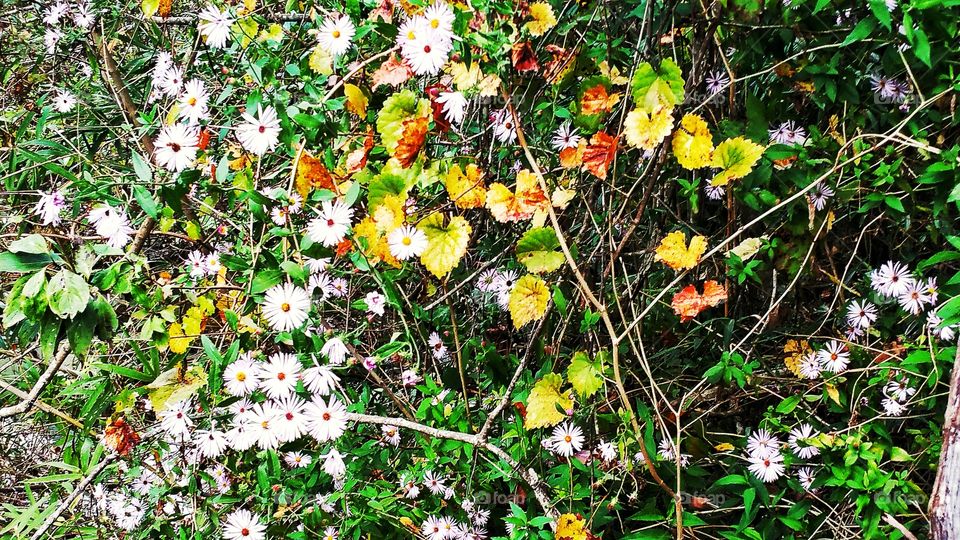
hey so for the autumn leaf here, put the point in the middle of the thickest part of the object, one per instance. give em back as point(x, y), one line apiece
point(394, 72)
point(164, 7)
point(736, 158)
point(356, 100)
point(468, 78)
point(320, 61)
point(748, 248)
point(528, 300)
point(585, 376)
point(519, 205)
point(692, 143)
point(688, 303)
point(372, 242)
point(724, 447)
point(383, 11)
point(312, 174)
point(170, 388)
point(571, 527)
point(560, 65)
point(612, 73)
point(674, 252)
point(465, 187)
point(446, 243)
point(596, 100)
point(392, 118)
point(795, 350)
point(647, 130)
point(409, 145)
point(120, 437)
point(543, 401)
point(524, 59)
point(572, 157)
point(357, 158)
point(599, 154)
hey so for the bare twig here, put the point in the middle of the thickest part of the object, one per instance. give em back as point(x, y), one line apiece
point(62, 352)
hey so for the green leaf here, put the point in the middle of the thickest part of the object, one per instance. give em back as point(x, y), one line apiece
point(899, 454)
point(537, 250)
point(585, 376)
point(21, 263)
point(788, 405)
point(144, 174)
point(34, 243)
point(654, 88)
point(264, 280)
point(80, 332)
point(123, 371)
point(145, 199)
point(880, 11)
point(863, 29)
point(68, 294)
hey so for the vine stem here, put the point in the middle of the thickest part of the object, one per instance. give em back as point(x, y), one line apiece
point(604, 315)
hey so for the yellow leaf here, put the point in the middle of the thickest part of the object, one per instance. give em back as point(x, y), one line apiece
point(724, 447)
point(543, 402)
point(528, 300)
point(674, 252)
point(735, 158)
point(612, 73)
point(177, 343)
point(169, 388)
point(543, 19)
point(320, 61)
point(518, 205)
point(248, 7)
point(646, 131)
point(561, 197)
point(377, 249)
point(692, 143)
point(833, 393)
point(389, 214)
point(466, 188)
point(274, 32)
point(446, 243)
point(748, 248)
point(248, 30)
point(356, 100)
point(149, 7)
point(570, 527)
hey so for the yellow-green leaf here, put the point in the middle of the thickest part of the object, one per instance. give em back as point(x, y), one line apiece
point(446, 243)
point(169, 388)
point(528, 300)
point(544, 401)
point(735, 158)
point(585, 375)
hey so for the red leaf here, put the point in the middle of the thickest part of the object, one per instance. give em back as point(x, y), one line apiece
point(524, 58)
point(599, 154)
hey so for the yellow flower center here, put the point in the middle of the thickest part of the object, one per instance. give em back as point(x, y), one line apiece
point(192, 101)
point(407, 241)
point(336, 34)
point(568, 438)
point(241, 376)
point(435, 23)
point(284, 307)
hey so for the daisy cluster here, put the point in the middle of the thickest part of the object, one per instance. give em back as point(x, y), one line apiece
point(766, 460)
point(496, 284)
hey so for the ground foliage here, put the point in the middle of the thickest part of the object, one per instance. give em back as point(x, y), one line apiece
point(590, 269)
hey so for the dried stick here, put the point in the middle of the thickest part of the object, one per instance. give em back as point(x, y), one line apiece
point(40, 385)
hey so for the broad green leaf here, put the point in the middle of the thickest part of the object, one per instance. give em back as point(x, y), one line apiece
point(68, 294)
point(537, 250)
point(653, 89)
point(585, 375)
point(34, 244)
point(146, 201)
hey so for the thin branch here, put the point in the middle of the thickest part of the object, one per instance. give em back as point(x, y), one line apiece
point(41, 383)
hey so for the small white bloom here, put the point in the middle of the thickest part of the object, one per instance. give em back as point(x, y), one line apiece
point(567, 439)
point(261, 134)
point(286, 306)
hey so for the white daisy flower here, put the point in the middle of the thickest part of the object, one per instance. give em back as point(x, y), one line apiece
point(326, 421)
point(291, 423)
point(193, 102)
point(332, 224)
point(567, 439)
point(436, 345)
point(834, 357)
point(53, 13)
point(320, 380)
point(406, 241)
point(175, 420)
point(899, 390)
point(947, 333)
point(49, 206)
point(800, 448)
point(913, 299)
point(607, 451)
point(768, 468)
point(391, 434)
point(454, 106)
point(172, 81)
point(241, 378)
point(565, 137)
point(83, 17)
point(210, 443)
point(376, 302)
point(434, 482)
point(51, 38)
point(286, 306)
point(861, 314)
point(335, 350)
point(892, 407)
point(806, 475)
point(278, 377)
point(244, 525)
point(440, 18)
point(261, 134)
point(503, 128)
point(333, 463)
point(64, 101)
point(176, 147)
point(214, 25)
point(810, 367)
point(297, 460)
point(761, 443)
point(892, 279)
point(335, 34)
point(262, 423)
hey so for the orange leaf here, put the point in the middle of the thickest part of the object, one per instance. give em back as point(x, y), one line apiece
point(596, 100)
point(393, 72)
point(573, 157)
point(520, 204)
point(383, 11)
point(561, 63)
point(524, 59)
point(312, 174)
point(688, 303)
point(414, 135)
point(345, 246)
point(357, 159)
point(599, 154)
point(120, 437)
point(164, 8)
